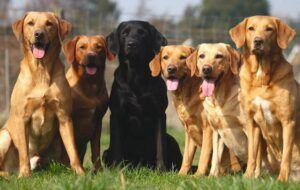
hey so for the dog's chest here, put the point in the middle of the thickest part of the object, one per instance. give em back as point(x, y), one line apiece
point(40, 109)
point(265, 117)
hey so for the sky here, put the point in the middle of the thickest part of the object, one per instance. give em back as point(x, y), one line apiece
point(175, 8)
point(281, 8)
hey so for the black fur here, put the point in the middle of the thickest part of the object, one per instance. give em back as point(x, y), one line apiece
point(138, 102)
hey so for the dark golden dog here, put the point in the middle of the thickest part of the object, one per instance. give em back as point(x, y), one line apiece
point(87, 56)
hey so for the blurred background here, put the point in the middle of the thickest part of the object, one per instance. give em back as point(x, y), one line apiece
point(181, 21)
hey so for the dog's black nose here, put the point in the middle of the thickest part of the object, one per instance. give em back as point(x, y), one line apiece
point(172, 69)
point(131, 44)
point(39, 34)
point(207, 69)
point(91, 57)
point(258, 41)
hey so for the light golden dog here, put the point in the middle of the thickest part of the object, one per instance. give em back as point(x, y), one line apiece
point(41, 96)
point(87, 56)
point(218, 65)
point(171, 62)
point(269, 93)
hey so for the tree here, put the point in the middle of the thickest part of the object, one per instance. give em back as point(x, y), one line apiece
point(3, 8)
point(210, 20)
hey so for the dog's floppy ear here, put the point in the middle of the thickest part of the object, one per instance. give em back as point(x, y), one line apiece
point(70, 49)
point(112, 41)
point(235, 60)
point(64, 28)
point(17, 27)
point(158, 39)
point(108, 54)
point(285, 34)
point(238, 33)
point(191, 62)
point(154, 65)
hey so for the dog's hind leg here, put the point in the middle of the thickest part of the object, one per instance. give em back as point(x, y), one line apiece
point(5, 143)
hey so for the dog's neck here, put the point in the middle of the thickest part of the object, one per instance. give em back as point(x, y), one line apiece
point(42, 69)
point(187, 87)
point(136, 67)
point(262, 67)
point(226, 88)
point(91, 85)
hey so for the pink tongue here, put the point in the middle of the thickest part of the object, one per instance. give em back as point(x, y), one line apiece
point(208, 88)
point(172, 85)
point(38, 53)
point(91, 70)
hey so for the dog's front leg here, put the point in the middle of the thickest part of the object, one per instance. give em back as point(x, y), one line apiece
point(67, 134)
point(254, 140)
point(206, 149)
point(18, 129)
point(188, 155)
point(95, 146)
point(215, 163)
point(161, 144)
point(288, 128)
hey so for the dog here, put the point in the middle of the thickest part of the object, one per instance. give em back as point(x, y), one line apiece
point(171, 62)
point(218, 66)
point(269, 93)
point(41, 96)
point(138, 102)
point(87, 56)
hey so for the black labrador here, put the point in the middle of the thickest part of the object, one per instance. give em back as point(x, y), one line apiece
point(138, 102)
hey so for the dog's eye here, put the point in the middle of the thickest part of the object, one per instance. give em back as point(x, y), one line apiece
point(125, 32)
point(30, 23)
point(165, 57)
point(251, 28)
point(182, 57)
point(98, 46)
point(48, 23)
point(141, 32)
point(269, 29)
point(219, 56)
point(202, 56)
point(82, 47)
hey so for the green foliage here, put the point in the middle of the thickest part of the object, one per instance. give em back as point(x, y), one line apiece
point(60, 177)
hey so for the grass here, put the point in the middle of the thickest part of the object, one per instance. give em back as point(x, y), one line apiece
point(60, 177)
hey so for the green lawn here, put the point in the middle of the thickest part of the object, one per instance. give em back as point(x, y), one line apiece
point(59, 177)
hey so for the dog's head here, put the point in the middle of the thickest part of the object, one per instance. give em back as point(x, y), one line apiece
point(212, 62)
point(135, 40)
point(87, 54)
point(171, 62)
point(262, 34)
point(40, 31)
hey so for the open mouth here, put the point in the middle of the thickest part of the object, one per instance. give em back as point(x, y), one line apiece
point(208, 85)
point(39, 49)
point(258, 50)
point(91, 69)
point(172, 83)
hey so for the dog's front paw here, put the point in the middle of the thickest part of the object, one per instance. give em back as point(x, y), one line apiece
point(79, 170)
point(183, 171)
point(199, 173)
point(24, 172)
point(283, 175)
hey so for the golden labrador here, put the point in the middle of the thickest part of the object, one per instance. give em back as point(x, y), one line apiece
point(41, 96)
point(269, 93)
point(171, 62)
point(87, 56)
point(218, 66)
